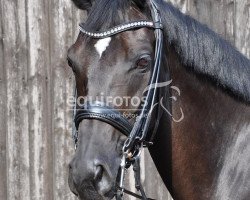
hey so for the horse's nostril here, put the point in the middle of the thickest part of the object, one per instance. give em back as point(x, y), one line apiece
point(102, 180)
point(98, 173)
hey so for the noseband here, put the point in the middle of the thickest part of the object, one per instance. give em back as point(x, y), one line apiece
point(138, 132)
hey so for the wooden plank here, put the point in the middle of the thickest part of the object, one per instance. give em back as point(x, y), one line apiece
point(22, 128)
point(218, 15)
point(3, 116)
point(61, 38)
point(181, 4)
point(151, 177)
point(10, 66)
point(15, 63)
point(41, 151)
point(242, 26)
point(76, 17)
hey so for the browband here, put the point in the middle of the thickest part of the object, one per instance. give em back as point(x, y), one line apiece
point(117, 29)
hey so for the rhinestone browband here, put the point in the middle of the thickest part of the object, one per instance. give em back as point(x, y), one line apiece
point(117, 29)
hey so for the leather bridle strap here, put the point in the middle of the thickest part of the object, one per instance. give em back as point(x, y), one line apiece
point(99, 111)
point(140, 129)
point(132, 193)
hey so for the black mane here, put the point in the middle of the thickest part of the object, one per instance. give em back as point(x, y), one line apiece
point(199, 48)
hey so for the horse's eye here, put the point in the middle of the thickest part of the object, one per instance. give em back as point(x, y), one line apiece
point(143, 63)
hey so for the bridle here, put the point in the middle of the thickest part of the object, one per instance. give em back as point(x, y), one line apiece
point(139, 132)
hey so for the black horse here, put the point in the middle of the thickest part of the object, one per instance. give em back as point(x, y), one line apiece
point(206, 155)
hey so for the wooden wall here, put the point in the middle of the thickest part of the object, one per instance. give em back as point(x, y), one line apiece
point(35, 123)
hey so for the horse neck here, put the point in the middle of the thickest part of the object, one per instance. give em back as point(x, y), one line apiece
point(190, 155)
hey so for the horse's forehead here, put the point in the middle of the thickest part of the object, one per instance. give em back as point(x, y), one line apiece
point(141, 33)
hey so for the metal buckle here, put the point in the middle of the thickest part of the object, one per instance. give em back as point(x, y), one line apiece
point(120, 191)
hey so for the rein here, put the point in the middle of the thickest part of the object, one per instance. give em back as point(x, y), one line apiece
point(138, 132)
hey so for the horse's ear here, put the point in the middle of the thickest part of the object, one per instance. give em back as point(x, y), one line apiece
point(83, 4)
